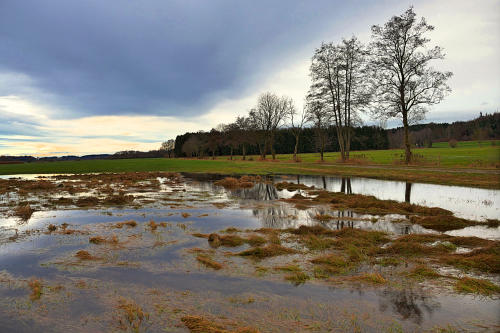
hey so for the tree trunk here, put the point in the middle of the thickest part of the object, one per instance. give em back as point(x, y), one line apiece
point(406, 139)
point(273, 152)
point(213, 154)
point(231, 153)
point(296, 148)
point(244, 153)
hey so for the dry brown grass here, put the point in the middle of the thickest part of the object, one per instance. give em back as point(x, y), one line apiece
point(242, 182)
point(216, 240)
point(130, 223)
point(85, 255)
point(373, 278)
point(24, 212)
point(208, 262)
point(485, 259)
point(267, 251)
point(101, 240)
point(132, 315)
point(476, 286)
point(36, 289)
point(198, 324)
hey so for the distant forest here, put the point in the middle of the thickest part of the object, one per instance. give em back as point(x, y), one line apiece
point(485, 127)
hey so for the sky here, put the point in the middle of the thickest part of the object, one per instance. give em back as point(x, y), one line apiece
point(87, 77)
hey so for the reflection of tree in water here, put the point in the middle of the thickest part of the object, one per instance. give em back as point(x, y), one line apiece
point(281, 216)
point(345, 186)
point(260, 191)
point(409, 303)
point(408, 192)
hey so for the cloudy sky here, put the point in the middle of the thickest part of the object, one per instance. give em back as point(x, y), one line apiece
point(93, 76)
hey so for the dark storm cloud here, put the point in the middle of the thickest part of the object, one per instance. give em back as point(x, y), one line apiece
point(148, 57)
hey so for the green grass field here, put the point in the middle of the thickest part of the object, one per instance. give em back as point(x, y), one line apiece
point(469, 154)
point(441, 166)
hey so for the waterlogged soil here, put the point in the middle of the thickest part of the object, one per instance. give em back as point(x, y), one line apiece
point(156, 252)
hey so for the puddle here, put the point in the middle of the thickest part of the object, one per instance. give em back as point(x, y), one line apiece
point(146, 259)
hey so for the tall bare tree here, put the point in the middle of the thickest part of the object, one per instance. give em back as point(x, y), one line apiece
point(246, 134)
point(297, 123)
point(320, 117)
point(404, 83)
point(338, 75)
point(268, 116)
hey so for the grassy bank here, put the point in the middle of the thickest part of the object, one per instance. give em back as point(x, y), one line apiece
point(224, 166)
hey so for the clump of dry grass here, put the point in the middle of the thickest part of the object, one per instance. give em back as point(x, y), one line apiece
point(242, 182)
point(87, 202)
point(198, 324)
point(24, 212)
point(255, 240)
point(84, 255)
point(267, 251)
point(132, 315)
point(36, 289)
point(329, 264)
point(476, 286)
point(101, 240)
point(485, 259)
point(118, 199)
point(51, 228)
point(152, 225)
point(421, 272)
point(185, 215)
point(130, 223)
point(291, 186)
point(216, 240)
point(207, 261)
point(442, 222)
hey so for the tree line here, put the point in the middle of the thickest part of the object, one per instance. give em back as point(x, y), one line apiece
point(244, 142)
point(390, 77)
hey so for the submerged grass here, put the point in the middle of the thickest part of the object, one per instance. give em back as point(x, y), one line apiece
point(132, 315)
point(208, 262)
point(36, 289)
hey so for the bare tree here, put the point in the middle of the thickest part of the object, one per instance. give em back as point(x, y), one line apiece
point(297, 122)
point(231, 137)
point(168, 146)
point(213, 138)
point(246, 133)
point(338, 80)
point(268, 116)
point(319, 115)
point(192, 146)
point(404, 83)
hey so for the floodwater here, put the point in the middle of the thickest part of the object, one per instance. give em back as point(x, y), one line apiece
point(138, 268)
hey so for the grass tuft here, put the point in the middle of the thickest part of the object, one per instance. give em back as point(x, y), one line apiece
point(476, 286)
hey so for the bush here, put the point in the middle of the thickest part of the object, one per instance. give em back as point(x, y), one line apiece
point(453, 143)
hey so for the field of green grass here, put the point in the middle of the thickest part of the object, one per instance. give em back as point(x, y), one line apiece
point(468, 154)
point(375, 164)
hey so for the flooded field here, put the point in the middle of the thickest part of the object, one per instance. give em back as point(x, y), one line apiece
point(155, 252)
